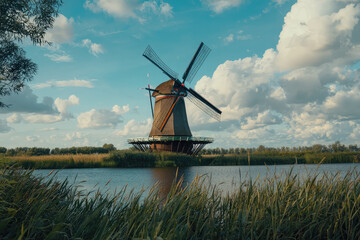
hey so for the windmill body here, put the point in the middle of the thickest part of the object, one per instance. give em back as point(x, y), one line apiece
point(177, 124)
point(170, 129)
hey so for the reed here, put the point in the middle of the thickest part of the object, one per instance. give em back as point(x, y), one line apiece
point(314, 208)
point(60, 161)
point(126, 159)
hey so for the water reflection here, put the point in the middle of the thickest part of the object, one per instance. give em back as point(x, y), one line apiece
point(164, 177)
point(226, 178)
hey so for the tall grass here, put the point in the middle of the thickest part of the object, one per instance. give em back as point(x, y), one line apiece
point(61, 161)
point(317, 208)
point(126, 158)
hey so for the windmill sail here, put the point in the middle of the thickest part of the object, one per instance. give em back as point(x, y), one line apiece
point(150, 54)
point(198, 59)
point(204, 105)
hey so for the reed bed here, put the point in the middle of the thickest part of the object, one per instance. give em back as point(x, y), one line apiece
point(65, 157)
point(314, 208)
point(61, 161)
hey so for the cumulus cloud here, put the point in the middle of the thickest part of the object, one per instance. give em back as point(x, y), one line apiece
point(135, 128)
point(94, 48)
point(130, 8)
point(59, 112)
point(33, 138)
point(304, 92)
point(317, 32)
point(27, 102)
point(14, 118)
point(102, 118)
point(262, 119)
point(344, 104)
point(238, 87)
point(59, 57)
point(61, 106)
point(218, 6)
point(77, 138)
point(4, 128)
point(62, 30)
point(66, 83)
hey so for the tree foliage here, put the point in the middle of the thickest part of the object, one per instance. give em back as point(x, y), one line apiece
point(22, 20)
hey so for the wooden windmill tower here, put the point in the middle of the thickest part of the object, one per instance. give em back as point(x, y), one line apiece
point(170, 130)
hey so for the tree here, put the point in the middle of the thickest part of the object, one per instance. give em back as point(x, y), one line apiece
point(109, 147)
point(21, 20)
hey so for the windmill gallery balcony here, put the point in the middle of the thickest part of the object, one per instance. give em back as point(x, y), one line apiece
point(182, 144)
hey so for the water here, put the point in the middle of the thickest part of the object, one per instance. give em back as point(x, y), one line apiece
point(226, 178)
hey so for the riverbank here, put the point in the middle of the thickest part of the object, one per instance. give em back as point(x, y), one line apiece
point(314, 208)
point(126, 159)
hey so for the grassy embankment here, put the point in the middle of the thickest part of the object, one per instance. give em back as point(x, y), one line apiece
point(316, 208)
point(124, 158)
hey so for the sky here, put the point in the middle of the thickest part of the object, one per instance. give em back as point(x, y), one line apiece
point(283, 72)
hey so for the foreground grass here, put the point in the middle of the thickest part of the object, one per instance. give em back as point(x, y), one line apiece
point(316, 208)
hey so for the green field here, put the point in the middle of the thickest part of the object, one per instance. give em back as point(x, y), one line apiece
point(316, 208)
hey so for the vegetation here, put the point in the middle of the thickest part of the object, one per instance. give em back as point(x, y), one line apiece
point(108, 156)
point(60, 161)
point(315, 208)
point(36, 151)
point(20, 20)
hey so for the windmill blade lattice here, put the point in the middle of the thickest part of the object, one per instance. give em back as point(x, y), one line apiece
point(204, 105)
point(150, 54)
point(198, 59)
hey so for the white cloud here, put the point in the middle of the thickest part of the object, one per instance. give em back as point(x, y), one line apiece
point(33, 138)
point(66, 83)
point(135, 128)
point(218, 6)
point(239, 87)
point(102, 118)
point(130, 8)
point(59, 58)
point(4, 128)
point(229, 38)
point(120, 110)
point(317, 32)
point(262, 119)
point(14, 118)
point(61, 106)
point(77, 139)
point(238, 36)
point(315, 100)
point(62, 30)
point(345, 104)
point(280, 2)
point(163, 8)
point(166, 9)
point(48, 129)
point(94, 48)
point(278, 94)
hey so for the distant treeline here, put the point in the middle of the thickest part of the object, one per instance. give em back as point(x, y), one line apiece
point(36, 151)
point(316, 148)
point(106, 148)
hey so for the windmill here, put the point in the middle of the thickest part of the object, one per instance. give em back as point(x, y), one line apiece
point(170, 129)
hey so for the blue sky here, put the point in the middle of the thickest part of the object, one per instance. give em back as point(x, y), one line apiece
point(284, 72)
